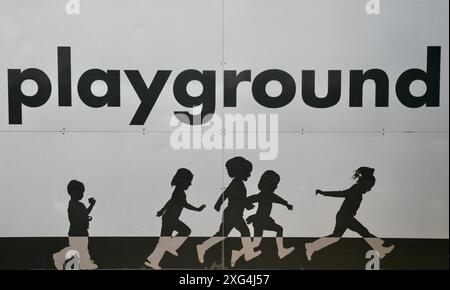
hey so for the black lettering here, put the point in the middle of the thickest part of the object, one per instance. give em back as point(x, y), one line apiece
point(207, 98)
point(64, 77)
point(16, 98)
point(287, 92)
point(308, 89)
point(147, 95)
point(112, 80)
point(357, 79)
point(431, 78)
point(231, 82)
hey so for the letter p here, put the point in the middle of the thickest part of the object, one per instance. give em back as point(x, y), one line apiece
point(16, 98)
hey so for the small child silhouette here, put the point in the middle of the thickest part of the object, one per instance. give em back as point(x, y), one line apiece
point(345, 218)
point(261, 220)
point(79, 224)
point(170, 219)
point(239, 169)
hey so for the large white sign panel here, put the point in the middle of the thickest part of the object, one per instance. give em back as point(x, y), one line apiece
point(329, 125)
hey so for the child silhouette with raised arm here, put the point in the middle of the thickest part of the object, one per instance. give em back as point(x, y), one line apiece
point(261, 220)
point(239, 170)
point(79, 224)
point(345, 218)
point(171, 219)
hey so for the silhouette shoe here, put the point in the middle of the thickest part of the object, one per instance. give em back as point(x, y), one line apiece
point(201, 253)
point(252, 255)
point(89, 265)
point(174, 244)
point(284, 252)
point(151, 265)
point(58, 261)
point(309, 251)
point(377, 245)
point(249, 251)
point(386, 250)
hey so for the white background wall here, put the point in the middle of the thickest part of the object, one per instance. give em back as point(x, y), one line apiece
point(129, 173)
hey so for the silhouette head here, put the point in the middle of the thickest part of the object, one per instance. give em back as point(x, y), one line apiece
point(269, 181)
point(365, 178)
point(363, 172)
point(75, 189)
point(239, 167)
point(182, 179)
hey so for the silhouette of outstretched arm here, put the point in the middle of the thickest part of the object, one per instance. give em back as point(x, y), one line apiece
point(253, 198)
point(341, 193)
point(279, 200)
point(222, 198)
point(191, 207)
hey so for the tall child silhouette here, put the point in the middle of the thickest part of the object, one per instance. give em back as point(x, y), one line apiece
point(345, 218)
point(171, 219)
point(79, 224)
point(261, 220)
point(239, 169)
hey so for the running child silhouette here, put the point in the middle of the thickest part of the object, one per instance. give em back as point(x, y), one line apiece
point(261, 220)
point(171, 219)
point(78, 232)
point(345, 218)
point(239, 170)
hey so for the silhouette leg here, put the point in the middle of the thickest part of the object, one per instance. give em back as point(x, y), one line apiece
point(257, 242)
point(218, 237)
point(202, 248)
point(80, 244)
point(237, 254)
point(339, 230)
point(247, 248)
point(155, 257)
point(60, 257)
point(377, 245)
point(282, 251)
point(247, 245)
point(319, 244)
point(374, 242)
point(247, 251)
point(183, 232)
point(177, 242)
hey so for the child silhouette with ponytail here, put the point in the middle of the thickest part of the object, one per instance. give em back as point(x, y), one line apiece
point(345, 218)
point(170, 219)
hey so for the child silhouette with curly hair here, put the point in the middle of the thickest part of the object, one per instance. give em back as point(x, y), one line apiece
point(345, 218)
point(239, 169)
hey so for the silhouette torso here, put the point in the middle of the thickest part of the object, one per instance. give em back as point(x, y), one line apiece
point(265, 202)
point(237, 198)
point(175, 205)
point(353, 197)
point(78, 218)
